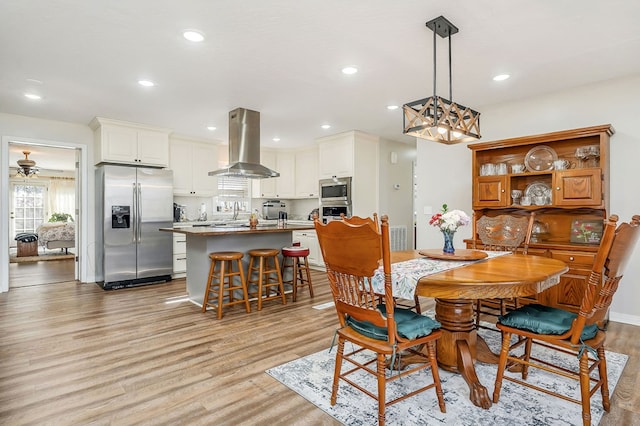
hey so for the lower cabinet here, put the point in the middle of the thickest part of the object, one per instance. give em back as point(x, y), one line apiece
point(179, 255)
point(568, 294)
point(310, 239)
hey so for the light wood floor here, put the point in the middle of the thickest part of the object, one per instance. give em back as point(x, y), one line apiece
point(37, 273)
point(72, 353)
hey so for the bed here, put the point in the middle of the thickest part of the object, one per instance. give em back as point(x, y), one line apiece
point(53, 235)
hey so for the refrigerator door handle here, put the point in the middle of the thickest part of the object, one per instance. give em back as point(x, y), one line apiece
point(134, 220)
point(139, 213)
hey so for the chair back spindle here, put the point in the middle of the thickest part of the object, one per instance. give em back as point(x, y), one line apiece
point(616, 247)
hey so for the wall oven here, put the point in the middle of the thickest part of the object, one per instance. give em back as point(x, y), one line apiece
point(337, 190)
point(331, 212)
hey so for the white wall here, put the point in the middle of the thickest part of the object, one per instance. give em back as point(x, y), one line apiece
point(21, 128)
point(396, 189)
point(444, 172)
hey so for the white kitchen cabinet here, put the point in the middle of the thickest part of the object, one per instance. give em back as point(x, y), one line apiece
point(265, 188)
point(191, 162)
point(310, 239)
point(306, 173)
point(281, 187)
point(336, 155)
point(179, 255)
point(130, 143)
point(286, 166)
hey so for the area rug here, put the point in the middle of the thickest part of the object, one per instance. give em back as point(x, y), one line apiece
point(41, 258)
point(312, 376)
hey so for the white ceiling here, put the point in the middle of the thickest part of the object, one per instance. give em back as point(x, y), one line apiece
point(283, 58)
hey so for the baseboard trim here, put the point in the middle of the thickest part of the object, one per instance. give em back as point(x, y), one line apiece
point(624, 318)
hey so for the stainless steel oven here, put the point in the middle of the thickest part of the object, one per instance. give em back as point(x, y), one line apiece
point(336, 190)
point(333, 211)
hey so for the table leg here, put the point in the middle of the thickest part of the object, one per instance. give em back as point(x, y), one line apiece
point(484, 354)
point(456, 349)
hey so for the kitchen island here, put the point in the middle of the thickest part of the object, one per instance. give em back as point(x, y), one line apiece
point(203, 240)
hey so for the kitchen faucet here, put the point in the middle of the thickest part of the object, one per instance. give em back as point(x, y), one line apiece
point(236, 208)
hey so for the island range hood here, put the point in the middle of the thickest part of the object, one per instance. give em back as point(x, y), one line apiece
point(244, 147)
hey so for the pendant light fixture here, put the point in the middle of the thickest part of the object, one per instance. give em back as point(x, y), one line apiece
point(436, 118)
point(26, 168)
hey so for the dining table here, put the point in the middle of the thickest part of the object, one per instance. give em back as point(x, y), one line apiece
point(455, 288)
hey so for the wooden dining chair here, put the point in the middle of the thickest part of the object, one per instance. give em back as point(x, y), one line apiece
point(352, 254)
point(501, 233)
point(356, 220)
point(566, 332)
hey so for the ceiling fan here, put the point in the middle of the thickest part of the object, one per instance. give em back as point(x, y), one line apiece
point(26, 167)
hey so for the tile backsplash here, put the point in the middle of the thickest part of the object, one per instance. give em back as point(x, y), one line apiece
point(297, 209)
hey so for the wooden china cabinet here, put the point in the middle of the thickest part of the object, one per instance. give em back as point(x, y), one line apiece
point(569, 200)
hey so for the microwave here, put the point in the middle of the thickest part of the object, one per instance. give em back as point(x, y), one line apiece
point(335, 190)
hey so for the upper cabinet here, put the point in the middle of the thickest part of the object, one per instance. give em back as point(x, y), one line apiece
point(281, 187)
point(122, 142)
point(286, 166)
point(336, 155)
point(306, 173)
point(582, 187)
point(568, 169)
point(191, 161)
point(266, 188)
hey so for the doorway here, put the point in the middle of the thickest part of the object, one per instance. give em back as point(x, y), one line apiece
point(61, 169)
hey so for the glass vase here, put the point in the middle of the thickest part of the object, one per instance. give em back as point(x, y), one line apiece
point(448, 241)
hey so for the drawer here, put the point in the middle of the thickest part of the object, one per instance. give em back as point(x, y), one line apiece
point(574, 258)
point(179, 263)
point(179, 244)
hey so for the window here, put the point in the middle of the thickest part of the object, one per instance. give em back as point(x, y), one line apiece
point(62, 195)
point(29, 206)
point(231, 190)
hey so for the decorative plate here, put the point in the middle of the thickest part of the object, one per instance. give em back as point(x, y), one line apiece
point(540, 158)
point(460, 254)
point(538, 189)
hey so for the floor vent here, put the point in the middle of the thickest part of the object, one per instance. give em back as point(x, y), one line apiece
point(398, 238)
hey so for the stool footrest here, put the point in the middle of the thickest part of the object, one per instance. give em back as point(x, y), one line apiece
point(264, 265)
point(223, 279)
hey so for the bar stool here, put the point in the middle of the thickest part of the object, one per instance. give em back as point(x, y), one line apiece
point(268, 275)
point(296, 257)
point(221, 280)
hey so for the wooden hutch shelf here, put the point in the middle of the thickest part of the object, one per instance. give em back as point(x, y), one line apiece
point(571, 202)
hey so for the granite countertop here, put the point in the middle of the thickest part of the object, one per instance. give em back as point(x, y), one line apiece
point(228, 229)
point(238, 222)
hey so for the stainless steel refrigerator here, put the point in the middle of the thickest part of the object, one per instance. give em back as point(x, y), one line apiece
point(132, 204)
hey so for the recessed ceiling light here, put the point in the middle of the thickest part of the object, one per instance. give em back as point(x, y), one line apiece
point(392, 107)
point(349, 70)
point(212, 128)
point(501, 77)
point(33, 96)
point(325, 126)
point(276, 139)
point(146, 83)
point(193, 35)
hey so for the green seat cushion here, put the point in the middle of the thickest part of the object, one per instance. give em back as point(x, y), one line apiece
point(410, 325)
point(544, 320)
